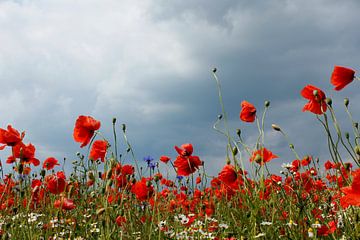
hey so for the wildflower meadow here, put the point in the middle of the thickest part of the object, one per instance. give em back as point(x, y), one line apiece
point(109, 194)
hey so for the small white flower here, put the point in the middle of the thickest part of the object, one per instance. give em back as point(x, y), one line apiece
point(286, 165)
point(223, 225)
point(266, 223)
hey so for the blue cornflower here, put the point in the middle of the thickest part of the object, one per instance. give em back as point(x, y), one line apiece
point(179, 177)
point(148, 160)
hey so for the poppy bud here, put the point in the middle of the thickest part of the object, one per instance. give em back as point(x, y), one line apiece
point(91, 176)
point(258, 158)
point(235, 151)
point(267, 103)
point(328, 101)
point(291, 146)
point(276, 127)
point(114, 120)
point(238, 132)
point(123, 127)
point(346, 102)
point(356, 125)
point(347, 135)
point(228, 162)
point(214, 70)
point(20, 168)
point(357, 149)
point(220, 116)
point(128, 150)
point(109, 183)
point(42, 172)
point(109, 174)
point(156, 178)
point(148, 183)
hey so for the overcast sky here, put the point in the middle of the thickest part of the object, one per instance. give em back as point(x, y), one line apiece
point(148, 63)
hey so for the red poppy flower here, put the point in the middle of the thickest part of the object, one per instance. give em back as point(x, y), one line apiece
point(316, 99)
point(185, 149)
point(352, 193)
point(50, 163)
point(10, 137)
point(228, 174)
point(341, 77)
point(98, 150)
point(248, 112)
point(187, 165)
point(85, 127)
point(141, 190)
point(56, 183)
point(164, 159)
point(120, 220)
point(262, 156)
point(26, 153)
point(65, 203)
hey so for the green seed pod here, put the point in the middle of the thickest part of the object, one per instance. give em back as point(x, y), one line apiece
point(346, 102)
point(214, 70)
point(291, 146)
point(315, 93)
point(123, 126)
point(114, 120)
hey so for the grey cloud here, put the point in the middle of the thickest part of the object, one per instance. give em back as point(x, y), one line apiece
point(148, 64)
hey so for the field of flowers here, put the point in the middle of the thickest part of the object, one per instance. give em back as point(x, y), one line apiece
point(106, 198)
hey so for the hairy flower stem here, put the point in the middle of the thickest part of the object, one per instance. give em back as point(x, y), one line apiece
point(338, 131)
point(227, 133)
point(115, 141)
point(132, 154)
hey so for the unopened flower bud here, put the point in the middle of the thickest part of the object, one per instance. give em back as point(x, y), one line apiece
point(258, 158)
point(235, 151)
point(109, 174)
point(109, 183)
point(347, 135)
point(238, 132)
point(114, 120)
point(42, 172)
point(228, 161)
point(291, 146)
point(357, 149)
point(214, 70)
point(220, 116)
point(267, 103)
point(356, 125)
point(276, 127)
point(148, 183)
point(328, 101)
point(346, 102)
point(123, 126)
point(20, 168)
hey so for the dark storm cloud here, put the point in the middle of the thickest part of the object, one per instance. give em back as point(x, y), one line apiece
point(148, 64)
